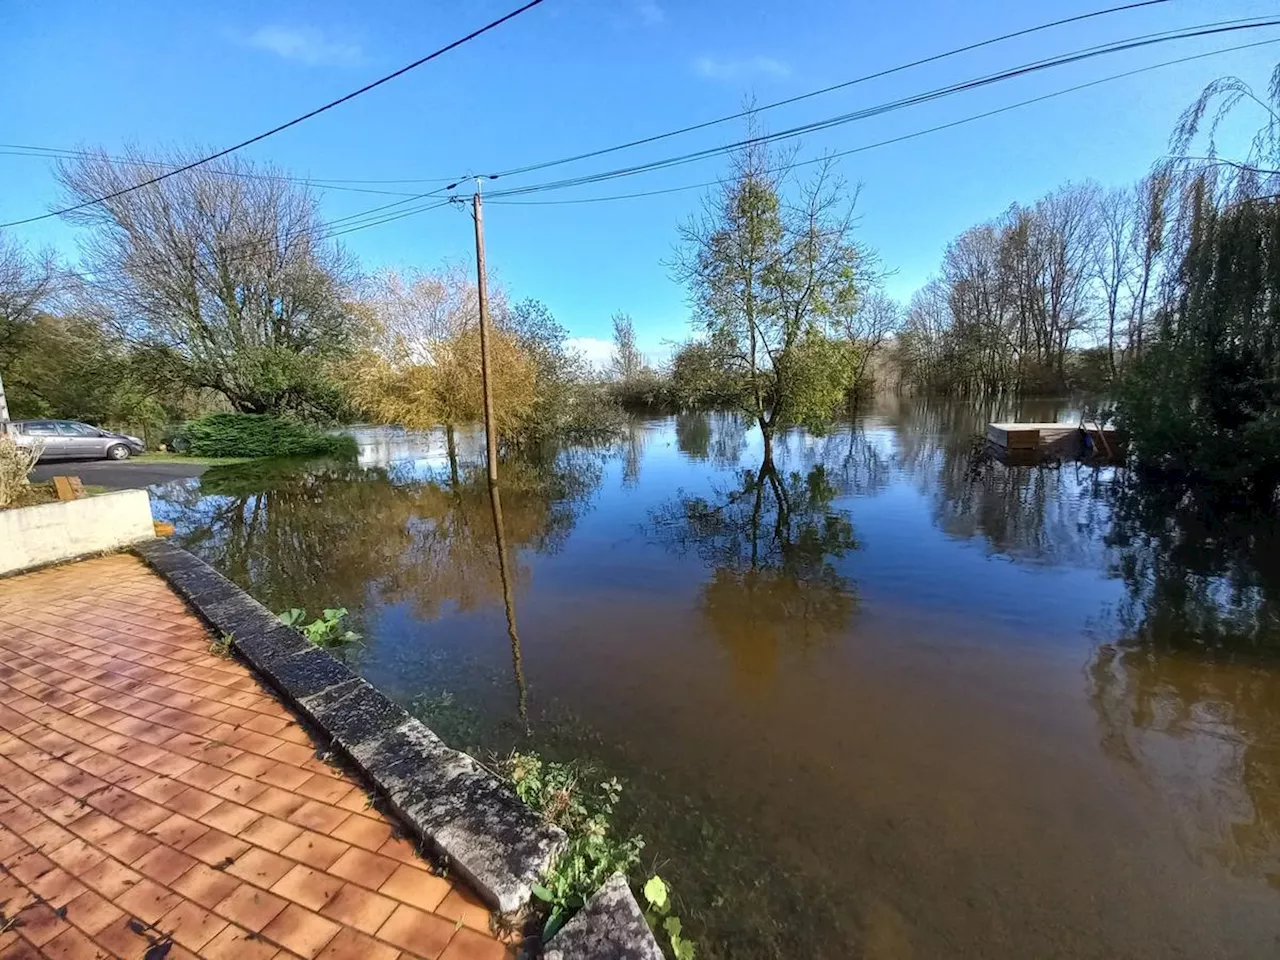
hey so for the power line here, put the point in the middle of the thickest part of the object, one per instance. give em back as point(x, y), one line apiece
point(291, 123)
point(367, 218)
point(497, 197)
point(814, 93)
point(880, 109)
point(58, 153)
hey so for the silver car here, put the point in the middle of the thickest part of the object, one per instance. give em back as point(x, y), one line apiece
point(70, 440)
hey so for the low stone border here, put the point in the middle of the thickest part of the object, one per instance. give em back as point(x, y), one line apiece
point(456, 806)
point(610, 926)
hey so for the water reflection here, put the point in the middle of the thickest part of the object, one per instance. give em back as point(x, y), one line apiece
point(771, 541)
point(327, 534)
point(1185, 684)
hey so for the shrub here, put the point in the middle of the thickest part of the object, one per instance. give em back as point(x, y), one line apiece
point(261, 435)
point(15, 463)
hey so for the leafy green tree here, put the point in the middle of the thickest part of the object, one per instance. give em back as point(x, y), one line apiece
point(770, 264)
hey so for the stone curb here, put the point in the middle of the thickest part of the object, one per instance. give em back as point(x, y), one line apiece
point(610, 926)
point(449, 800)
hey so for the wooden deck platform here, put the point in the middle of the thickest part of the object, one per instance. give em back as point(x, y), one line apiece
point(1062, 439)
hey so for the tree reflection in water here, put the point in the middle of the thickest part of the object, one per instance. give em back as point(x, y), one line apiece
point(770, 541)
point(329, 534)
point(1185, 685)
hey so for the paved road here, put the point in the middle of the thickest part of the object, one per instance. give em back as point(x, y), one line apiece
point(117, 475)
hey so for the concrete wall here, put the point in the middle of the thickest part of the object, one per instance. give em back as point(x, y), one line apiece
point(34, 536)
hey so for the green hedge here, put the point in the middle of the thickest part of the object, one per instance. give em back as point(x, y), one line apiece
point(260, 435)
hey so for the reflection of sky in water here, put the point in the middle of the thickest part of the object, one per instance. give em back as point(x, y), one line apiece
point(956, 719)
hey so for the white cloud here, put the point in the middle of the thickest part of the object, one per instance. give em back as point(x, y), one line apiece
point(650, 13)
point(714, 68)
point(597, 352)
point(306, 45)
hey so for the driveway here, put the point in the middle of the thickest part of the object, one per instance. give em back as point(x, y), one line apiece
point(117, 474)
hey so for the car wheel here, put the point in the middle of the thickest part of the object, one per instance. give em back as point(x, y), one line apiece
point(117, 451)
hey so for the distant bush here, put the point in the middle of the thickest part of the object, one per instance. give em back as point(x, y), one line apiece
point(261, 435)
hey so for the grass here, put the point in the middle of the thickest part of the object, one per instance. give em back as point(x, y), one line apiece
point(170, 457)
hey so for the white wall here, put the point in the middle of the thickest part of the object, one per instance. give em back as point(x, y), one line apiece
point(32, 536)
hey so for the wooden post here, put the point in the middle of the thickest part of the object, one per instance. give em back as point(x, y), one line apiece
point(490, 430)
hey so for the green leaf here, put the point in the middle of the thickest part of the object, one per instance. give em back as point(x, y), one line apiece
point(672, 926)
point(655, 891)
point(553, 924)
point(541, 892)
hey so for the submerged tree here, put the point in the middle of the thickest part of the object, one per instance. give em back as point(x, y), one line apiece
point(224, 267)
point(770, 263)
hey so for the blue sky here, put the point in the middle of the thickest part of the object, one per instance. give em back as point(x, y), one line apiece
point(573, 75)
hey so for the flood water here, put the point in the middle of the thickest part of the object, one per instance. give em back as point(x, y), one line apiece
point(877, 700)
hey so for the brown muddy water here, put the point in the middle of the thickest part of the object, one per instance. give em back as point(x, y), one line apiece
point(876, 702)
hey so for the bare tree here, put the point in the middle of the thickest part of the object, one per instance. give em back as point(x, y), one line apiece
point(225, 267)
point(26, 285)
point(1114, 261)
point(628, 362)
point(868, 328)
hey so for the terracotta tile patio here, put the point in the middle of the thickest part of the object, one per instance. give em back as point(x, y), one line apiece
point(156, 802)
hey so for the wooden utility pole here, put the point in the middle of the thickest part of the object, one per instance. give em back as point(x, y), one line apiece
point(490, 429)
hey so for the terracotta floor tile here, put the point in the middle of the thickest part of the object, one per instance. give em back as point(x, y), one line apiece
point(260, 867)
point(91, 912)
point(359, 908)
point(470, 945)
point(71, 944)
point(216, 848)
point(351, 945)
point(234, 943)
point(13, 947)
point(163, 865)
point(271, 832)
point(416, 887)
point(362, 867)
point(363, 832)
point(278, 802)
point(250, 907)
point(127, 844)
point(111, 878)
point(205, 885)
point(301, 931)
point(178, 831)
point(56, 887)
point(74, 856)
point(191, 925)
point(311, 888)
point(284, 776)
point(147, 900)
point(193, 802)
point(417, 932)
point(231, 817)
point(239, 789)
point(39, 924)
point(322, 788)
point(465, 907)
point(317, 816)
point(204, 776)
point(315, 850)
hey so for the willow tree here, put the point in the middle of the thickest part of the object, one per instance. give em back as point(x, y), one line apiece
point(770, 262)
point(1204, 400)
